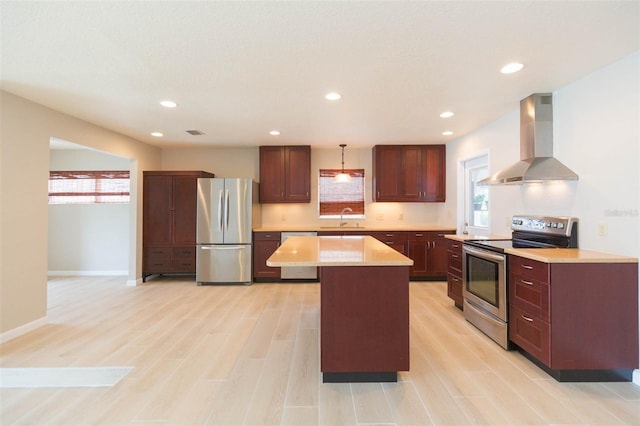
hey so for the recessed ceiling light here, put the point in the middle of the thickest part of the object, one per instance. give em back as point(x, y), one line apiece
point(446, 114)
point(511, 68)
point(157, 134)
point(332, 96)
point(274, 133)
point(447, 133)
point(168, 104)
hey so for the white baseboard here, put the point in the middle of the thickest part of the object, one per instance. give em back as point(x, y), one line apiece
point(133, 283)
point(86, 273)
point(23, 329)
point(636, 377)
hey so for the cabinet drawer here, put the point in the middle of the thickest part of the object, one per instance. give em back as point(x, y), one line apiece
point(158, 264)
point(529, 268)
point(396, 237)
point(454, 288)
point(455, 261)
point(420, 236)
point(531, 334)
point(455, 246)
point(183, 265)
point(186, 252)
point(266, 236)
point(532, 296)
point(157, 252)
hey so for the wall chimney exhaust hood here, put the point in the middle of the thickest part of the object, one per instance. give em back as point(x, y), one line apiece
point(537, 163)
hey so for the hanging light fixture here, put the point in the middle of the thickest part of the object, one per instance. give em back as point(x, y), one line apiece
point(342, 176)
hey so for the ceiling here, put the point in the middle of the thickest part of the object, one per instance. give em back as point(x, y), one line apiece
point(240, 69)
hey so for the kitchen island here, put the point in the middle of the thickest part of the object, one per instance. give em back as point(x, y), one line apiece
point(364, 304)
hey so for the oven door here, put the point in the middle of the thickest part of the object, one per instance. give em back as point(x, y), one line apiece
point(484, 280)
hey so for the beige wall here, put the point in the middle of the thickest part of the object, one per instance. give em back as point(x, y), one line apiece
point(25, 130)
point(245, 162)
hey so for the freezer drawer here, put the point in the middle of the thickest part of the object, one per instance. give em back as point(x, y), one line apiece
point(223, 264)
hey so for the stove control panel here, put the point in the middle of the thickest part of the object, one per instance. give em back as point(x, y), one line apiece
point(561, 225)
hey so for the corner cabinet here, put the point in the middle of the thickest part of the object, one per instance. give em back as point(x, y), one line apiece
point(409, 173)
point(169, 202)
point(285, 174)
point(428, 250)
point(578, 321)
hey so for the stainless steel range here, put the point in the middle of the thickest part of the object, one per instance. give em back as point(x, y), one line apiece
point(485, 269)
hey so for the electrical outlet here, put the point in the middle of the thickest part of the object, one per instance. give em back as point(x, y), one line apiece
point(602, 229)
point(379, 217)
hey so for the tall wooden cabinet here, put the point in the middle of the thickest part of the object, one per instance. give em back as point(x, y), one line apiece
point(285, 174)
point(409, 173)
point(169, 203)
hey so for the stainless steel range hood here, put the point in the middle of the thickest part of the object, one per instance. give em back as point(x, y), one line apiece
point(537, 163)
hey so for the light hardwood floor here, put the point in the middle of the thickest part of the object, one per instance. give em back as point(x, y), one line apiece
point(232, 355)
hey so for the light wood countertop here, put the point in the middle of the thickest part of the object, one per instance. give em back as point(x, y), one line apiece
point(390, 228)
point(469, 237)
point(336, 251)
point(562, 255)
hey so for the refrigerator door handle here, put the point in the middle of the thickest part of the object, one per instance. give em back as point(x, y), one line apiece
point(220, 217)
point(223, 247)
point(226, 207)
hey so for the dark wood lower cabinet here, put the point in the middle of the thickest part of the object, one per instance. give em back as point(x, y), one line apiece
point(264, 244)
point(578, 321)
point(428, 250)
point(364, 317)
point(454, 272)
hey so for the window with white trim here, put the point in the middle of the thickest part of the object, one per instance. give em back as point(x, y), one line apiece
point(476, 196)
point(334, 197)
point(89, 187)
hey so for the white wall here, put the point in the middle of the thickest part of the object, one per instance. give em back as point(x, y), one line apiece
point(245, 162)
point(88, 239)
point(596, 134)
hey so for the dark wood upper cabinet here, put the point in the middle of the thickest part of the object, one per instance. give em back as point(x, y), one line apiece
point(409, 173)
point(285, 174)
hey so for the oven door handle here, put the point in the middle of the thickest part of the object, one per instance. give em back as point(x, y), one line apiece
point(484, 254)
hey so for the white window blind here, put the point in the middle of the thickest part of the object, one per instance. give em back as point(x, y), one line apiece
point(335, 196)
point(89, 187)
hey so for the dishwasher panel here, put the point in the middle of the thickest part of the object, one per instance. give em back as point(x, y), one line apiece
point(298, 272)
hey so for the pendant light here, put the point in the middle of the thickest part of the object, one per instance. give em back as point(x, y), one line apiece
point(342, 176)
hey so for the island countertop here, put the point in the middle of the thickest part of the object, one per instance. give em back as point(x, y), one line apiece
point(336, 251)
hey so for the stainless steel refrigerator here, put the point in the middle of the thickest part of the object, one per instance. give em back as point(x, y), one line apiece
point(228, 209)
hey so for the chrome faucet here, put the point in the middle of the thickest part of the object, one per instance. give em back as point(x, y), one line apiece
point(346, 209)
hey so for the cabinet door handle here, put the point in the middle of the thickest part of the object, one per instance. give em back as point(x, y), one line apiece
point(526, 282)
point(434, 244)
point(527, 318)
point(455, 256)
point(455, 245)
point(418, 235)
point(527, 266)
point(454, 279)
